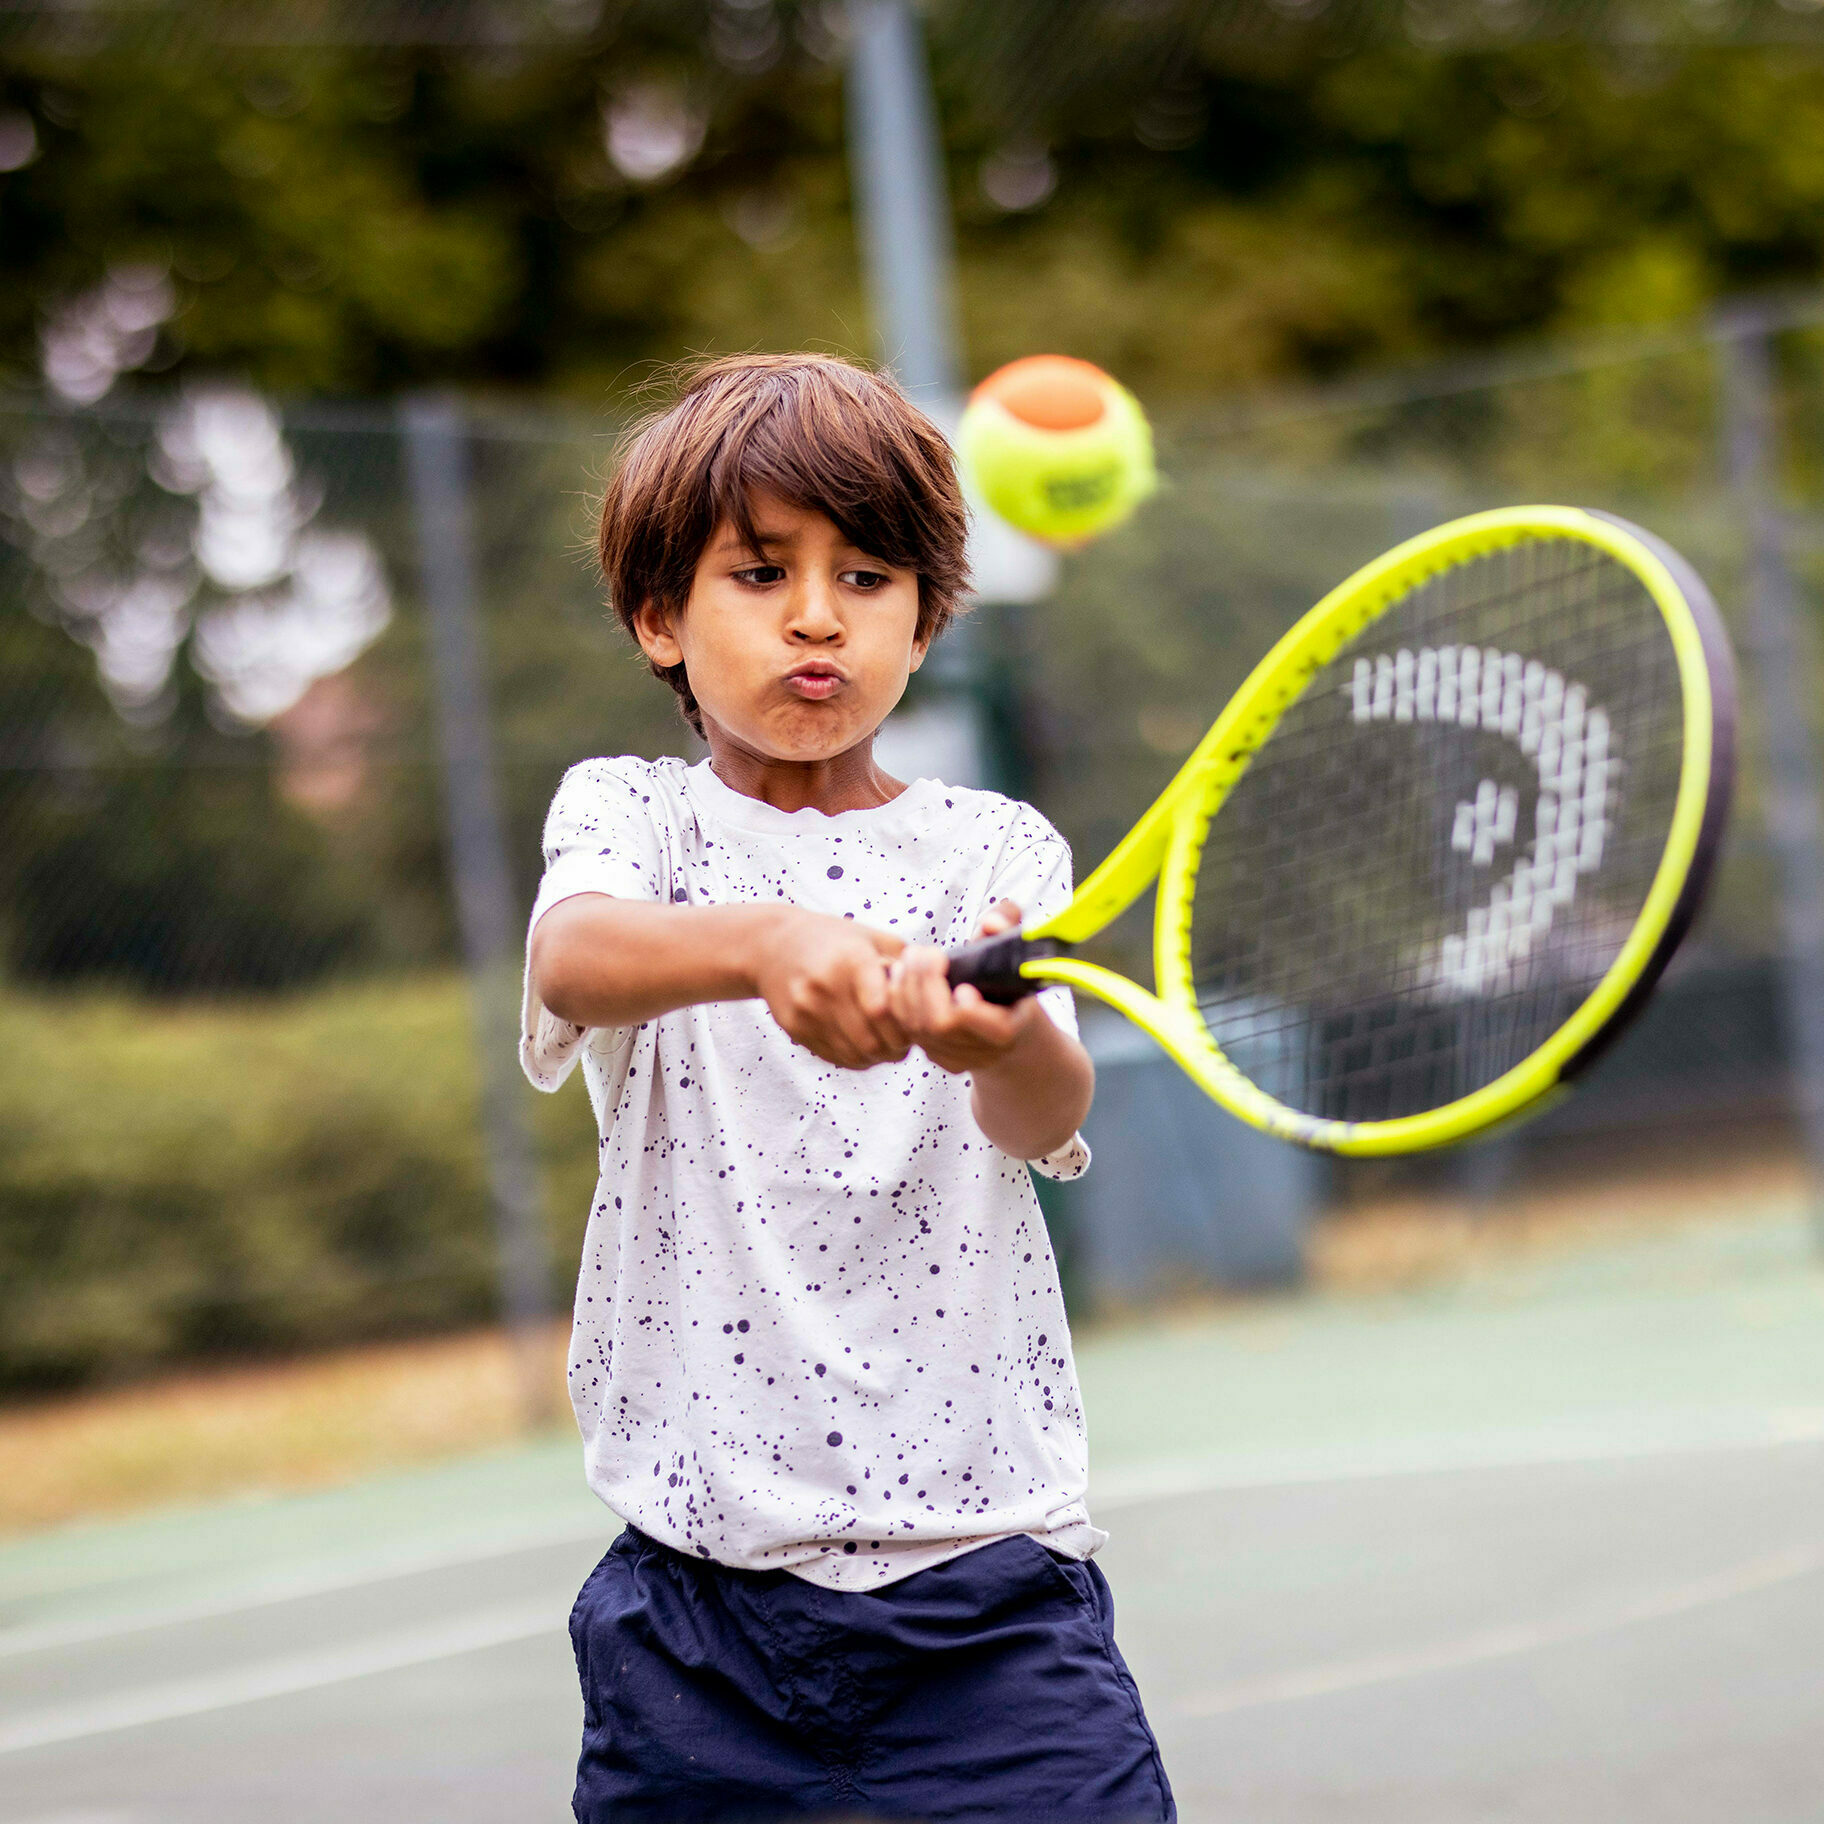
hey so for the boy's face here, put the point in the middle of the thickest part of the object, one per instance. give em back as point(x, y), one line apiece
point(798, 652)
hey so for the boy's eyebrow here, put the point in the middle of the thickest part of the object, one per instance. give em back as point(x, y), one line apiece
point(730, 539)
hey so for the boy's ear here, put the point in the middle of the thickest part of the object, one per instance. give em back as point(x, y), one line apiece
point(652, 628)
point(919, 649)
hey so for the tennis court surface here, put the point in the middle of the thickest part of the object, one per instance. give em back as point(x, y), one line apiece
point(1545, 1544)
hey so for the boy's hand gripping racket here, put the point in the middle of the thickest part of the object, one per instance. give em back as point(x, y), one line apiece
point(1438, 848)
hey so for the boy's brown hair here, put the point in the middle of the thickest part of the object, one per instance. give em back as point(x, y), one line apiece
point(824, 434)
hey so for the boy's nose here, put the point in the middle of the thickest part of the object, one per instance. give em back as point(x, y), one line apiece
point(814, 618)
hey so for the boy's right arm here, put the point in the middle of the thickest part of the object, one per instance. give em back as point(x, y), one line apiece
point(600, 961)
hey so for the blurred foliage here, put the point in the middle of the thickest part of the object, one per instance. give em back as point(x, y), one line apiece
point(235, 1179)
point(153, 879)
point(180, 852)
point(566, 682)
point(1191, 196)
point(158, 857)
point(1200, 207)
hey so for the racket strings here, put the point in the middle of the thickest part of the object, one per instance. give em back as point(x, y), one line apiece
point(1442, 847)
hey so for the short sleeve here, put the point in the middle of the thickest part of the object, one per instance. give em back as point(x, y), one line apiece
point(601, 836)
point(1035, 873)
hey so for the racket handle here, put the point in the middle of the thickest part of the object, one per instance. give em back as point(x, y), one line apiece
point(992, 965)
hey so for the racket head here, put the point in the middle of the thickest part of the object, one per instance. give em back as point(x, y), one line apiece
point(1331, 964)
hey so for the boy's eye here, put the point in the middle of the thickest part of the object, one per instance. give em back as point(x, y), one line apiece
point(760, 576)
point(864, 579)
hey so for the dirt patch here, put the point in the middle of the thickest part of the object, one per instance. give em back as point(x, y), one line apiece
point(279, 1426)
point(1404, 1241)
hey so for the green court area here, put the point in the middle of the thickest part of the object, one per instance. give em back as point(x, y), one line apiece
point(1543, 1542)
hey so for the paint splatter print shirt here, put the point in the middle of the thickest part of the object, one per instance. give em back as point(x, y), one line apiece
point(818, 1325)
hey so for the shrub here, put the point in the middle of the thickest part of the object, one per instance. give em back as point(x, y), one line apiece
point(181, 1180)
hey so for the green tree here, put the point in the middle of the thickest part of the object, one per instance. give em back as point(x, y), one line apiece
point(1198, 207)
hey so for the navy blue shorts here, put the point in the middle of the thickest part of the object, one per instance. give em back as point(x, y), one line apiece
point(988, 1687)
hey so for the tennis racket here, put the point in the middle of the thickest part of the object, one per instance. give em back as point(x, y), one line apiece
point(1438, 848)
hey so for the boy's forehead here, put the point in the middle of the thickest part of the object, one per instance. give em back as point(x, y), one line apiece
point(776, 521)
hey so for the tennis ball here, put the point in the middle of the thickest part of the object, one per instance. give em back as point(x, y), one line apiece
point(1057, 448)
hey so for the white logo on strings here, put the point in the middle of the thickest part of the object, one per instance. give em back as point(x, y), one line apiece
point(1567, 739)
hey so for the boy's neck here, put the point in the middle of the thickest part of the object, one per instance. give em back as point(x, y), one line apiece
point(848, 781)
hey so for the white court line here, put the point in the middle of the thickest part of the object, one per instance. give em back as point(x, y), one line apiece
point(1504, 1643)
point(1618, 1441)
point(328, 1580)
point(501, 1627)
point(1135, 1486)
point(253, 1684)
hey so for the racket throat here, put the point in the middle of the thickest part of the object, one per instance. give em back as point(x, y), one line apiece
point(991, 965)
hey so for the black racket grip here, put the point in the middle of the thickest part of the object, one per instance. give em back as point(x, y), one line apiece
point(992, 965)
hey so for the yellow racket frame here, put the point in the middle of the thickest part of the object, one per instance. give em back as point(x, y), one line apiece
point(1168, 841)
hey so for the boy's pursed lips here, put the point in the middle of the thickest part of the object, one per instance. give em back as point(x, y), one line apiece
point(815, 680)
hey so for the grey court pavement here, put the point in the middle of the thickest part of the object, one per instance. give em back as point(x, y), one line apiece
point(1543, 1544)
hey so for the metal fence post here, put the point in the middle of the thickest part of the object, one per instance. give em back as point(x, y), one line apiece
point(902, 218)
point(1783, 653)
point(902, 211)
point(436, 448)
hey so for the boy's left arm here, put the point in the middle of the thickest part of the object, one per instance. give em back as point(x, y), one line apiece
point(1031, 1081)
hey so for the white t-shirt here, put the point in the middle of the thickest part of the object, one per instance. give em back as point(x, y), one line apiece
point(818, 1325)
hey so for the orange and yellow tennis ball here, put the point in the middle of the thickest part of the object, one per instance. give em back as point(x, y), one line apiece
point(1057, 448)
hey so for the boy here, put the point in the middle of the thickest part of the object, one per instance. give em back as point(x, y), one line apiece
point(820, 1360)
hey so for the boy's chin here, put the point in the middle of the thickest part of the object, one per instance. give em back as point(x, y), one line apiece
point(803, 739)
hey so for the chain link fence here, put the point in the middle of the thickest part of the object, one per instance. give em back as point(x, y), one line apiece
point(238, 1078)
